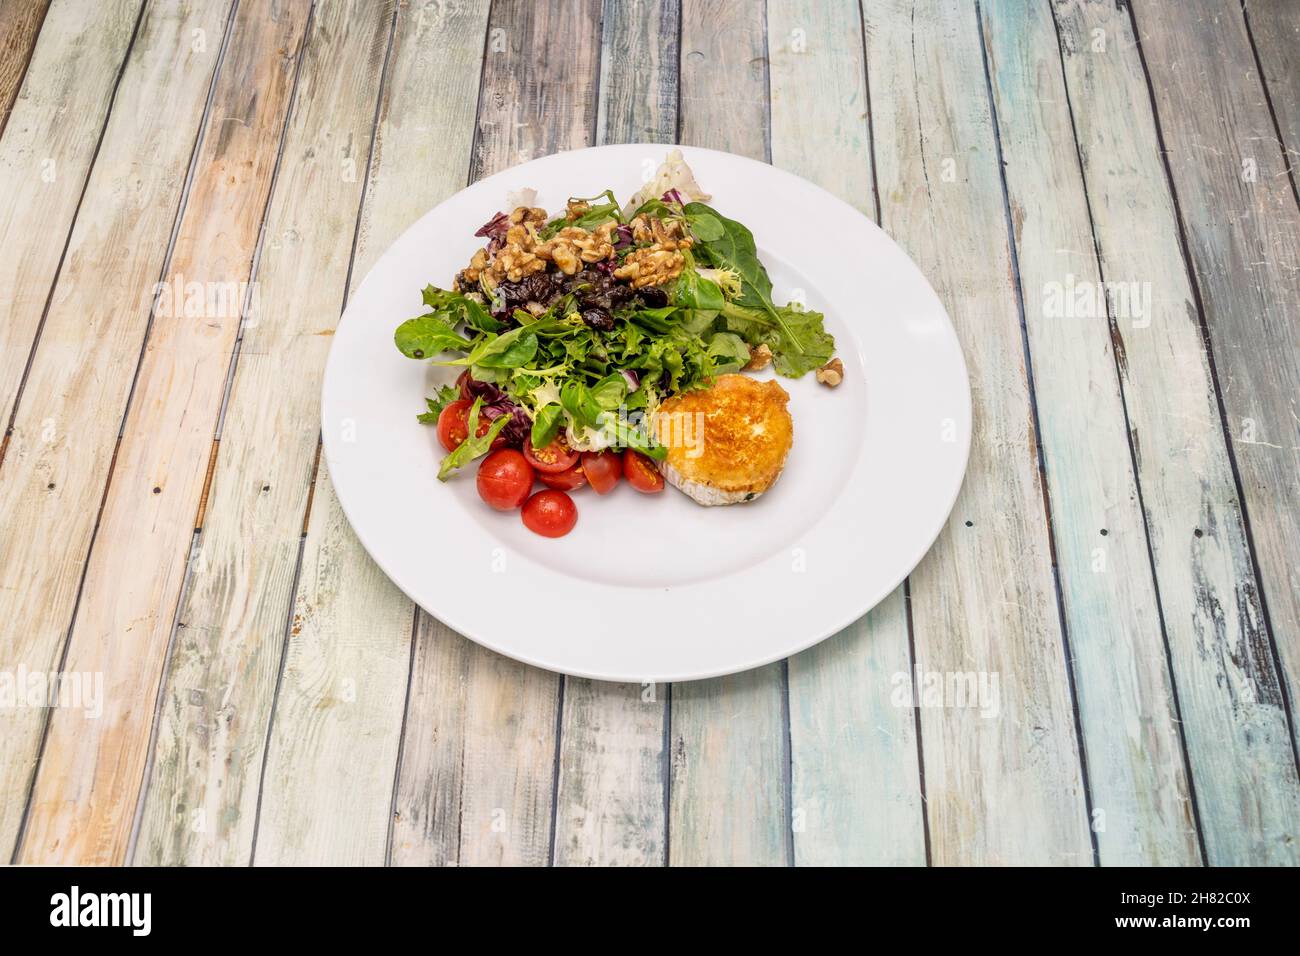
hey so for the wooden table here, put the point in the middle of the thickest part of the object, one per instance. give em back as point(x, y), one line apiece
point(1101, 193)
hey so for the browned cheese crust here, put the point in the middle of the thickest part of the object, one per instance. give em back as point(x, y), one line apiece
point(746, 434)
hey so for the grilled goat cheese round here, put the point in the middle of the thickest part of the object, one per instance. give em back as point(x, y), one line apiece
point(726, 443)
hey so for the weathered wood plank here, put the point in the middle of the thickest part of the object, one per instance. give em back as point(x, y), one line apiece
point(728, 736)
point(610, 796)
point(20, 23)
point(1006, 787)
point(855, 779)
point(66, 427)
point(1128, 714)
point(1243, 234)
point(220, 681)
point(351, 624)
point(1274, 27)
point(1242, 231)
point(496, 807)
point(137, 568)
point(638, 72)
point(49, 142)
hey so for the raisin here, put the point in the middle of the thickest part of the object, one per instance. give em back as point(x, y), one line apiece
point(598, 319)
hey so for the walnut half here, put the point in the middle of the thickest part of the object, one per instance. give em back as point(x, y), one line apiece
point(759, 357)
point(832, 373)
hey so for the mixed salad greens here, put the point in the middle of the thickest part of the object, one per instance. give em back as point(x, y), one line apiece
point(586, 355)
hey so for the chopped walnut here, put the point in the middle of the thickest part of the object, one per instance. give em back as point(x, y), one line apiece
point(528, 214)
point(652, 266)
point(832, 373)
point(759, 358)
point(659, 262)
point(577, 207)
point(522, 253)
point(666, 234)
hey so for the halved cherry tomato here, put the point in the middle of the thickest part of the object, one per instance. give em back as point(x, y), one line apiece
point(554, 458)
point(552, 514)
point(575, 477)
point(641, 473)
point(452, 428)
point(453, 425)
point(505, 479)
point(603, 469)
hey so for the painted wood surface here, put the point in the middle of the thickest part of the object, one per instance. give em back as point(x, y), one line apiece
point(1142, 810)
point(20, 24)
point(72, 72)
point(1002, 783)
point(137, 565)
point(50, 140)
point(611, 791)
point(303, 711)
point(233, 616)
point(1237, 743)
point(352, 628)
point(1242, 229)
point(500, 727)
point(1274, 27)
point(66, 427)
point(855, 774)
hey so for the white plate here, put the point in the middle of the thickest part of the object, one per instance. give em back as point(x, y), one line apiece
point(657, 588)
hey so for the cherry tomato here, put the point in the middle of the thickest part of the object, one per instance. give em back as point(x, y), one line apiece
point(554, 458)
point(564, 480)
point(452, 428)
point(551, 514)
point(505, 479)
point(641, 473)
point(603, 469)
point(453, 425)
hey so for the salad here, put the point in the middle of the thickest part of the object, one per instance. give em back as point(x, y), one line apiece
point(572, 329)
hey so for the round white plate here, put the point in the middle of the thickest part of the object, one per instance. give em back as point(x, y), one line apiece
point(658, 588)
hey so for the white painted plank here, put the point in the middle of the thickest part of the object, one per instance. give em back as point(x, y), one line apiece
point(856, 786)
point(49, 142)
point(351, 622)
point(134, 573)
point(20, 24)
point(1142, 809)
point(220, 680)
point(1007, 787)
point(728, 736)
point(61, 450)
point(1234, 723)
point(1275, 31)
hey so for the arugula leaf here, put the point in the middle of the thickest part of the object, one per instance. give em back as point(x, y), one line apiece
point(546, 425)
point(473, 446)
point(704, 225)
point(512, 349)
point(577, 401)
point(595, 216)
point(454, 307)
point(735, 250)
point(509, 350)
point(426, 336)
point(629, 435)
point(818, 345)
point(446, 395)
point(728, 351)
point(696, 292)
point(610, 391)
